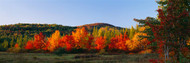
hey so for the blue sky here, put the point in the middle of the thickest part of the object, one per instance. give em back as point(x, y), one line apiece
point(76, 12)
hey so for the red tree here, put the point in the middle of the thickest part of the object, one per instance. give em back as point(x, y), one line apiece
point(67, 41)
point(118, 42)
point(100, 43)
point(39, 42)
point(173, 30)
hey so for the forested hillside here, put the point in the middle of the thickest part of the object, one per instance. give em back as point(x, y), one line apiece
point(22, 32)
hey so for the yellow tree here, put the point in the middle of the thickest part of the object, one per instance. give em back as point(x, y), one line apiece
point(53, 41)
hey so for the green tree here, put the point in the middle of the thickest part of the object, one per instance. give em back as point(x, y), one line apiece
point(132, 32)
point(19, 41)
point(12, 42)
point(25, 39)
point(5, 44)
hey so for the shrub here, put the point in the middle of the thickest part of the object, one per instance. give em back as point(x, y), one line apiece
point(16, 50)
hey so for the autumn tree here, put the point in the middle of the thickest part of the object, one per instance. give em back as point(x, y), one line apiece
point(118, 42)
point(38, 43)
point(29, 45)
point(172, 32)
point(67, 42)
point(148, 30)
point(100, 43)
point(80, 37)
point(53, 41)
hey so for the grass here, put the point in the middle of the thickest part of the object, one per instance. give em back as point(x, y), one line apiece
point(6, 57)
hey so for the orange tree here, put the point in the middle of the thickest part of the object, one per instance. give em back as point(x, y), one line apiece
point(81, 38)
point(53, 41)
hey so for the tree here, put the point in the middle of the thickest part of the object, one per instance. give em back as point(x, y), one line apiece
point(172, 32)
point(67, 41)
point(148, 30)
point(19, 41)
point(16, 45)
point(25, 39)
point(132, 32)
point(39, 42)
point(100, 43)
point(5, 44)
point(53, 41)
point(89, 43)
point(118, 42)
point(12, 42)
point(29, 45)
point(95, 32)
point(80, 37)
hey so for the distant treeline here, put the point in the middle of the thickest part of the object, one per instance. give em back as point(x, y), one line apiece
point(22, 32)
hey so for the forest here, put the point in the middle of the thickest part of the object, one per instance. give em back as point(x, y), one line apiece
point(166, 36)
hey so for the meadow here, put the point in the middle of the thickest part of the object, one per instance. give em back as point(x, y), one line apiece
point(6, 57)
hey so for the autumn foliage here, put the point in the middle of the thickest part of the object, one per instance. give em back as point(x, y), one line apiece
point(81, 39)
point(53, 41)
point(118, 42)
point(67, 41)
point(39, 42)
point(100, 43)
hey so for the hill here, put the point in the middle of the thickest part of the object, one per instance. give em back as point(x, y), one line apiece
point(21, 32)
point(47, 29)
point(99, 25)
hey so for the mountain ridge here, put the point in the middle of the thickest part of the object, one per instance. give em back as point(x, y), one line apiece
point(34, 28)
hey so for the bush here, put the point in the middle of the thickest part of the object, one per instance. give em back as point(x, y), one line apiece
point(61, 51)
point(16, 50)
point(102, 51)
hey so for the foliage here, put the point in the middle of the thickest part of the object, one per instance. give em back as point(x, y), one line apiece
point(39, 43)
point(131, 33)
point(80, 37)
point(53, 41)
point(5, 44)
point(67, 42)
point(171, 32)
point(118, 42)
point(79, 41)
point(100, 43)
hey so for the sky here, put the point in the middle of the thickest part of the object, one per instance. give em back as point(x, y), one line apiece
point(76, 12)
